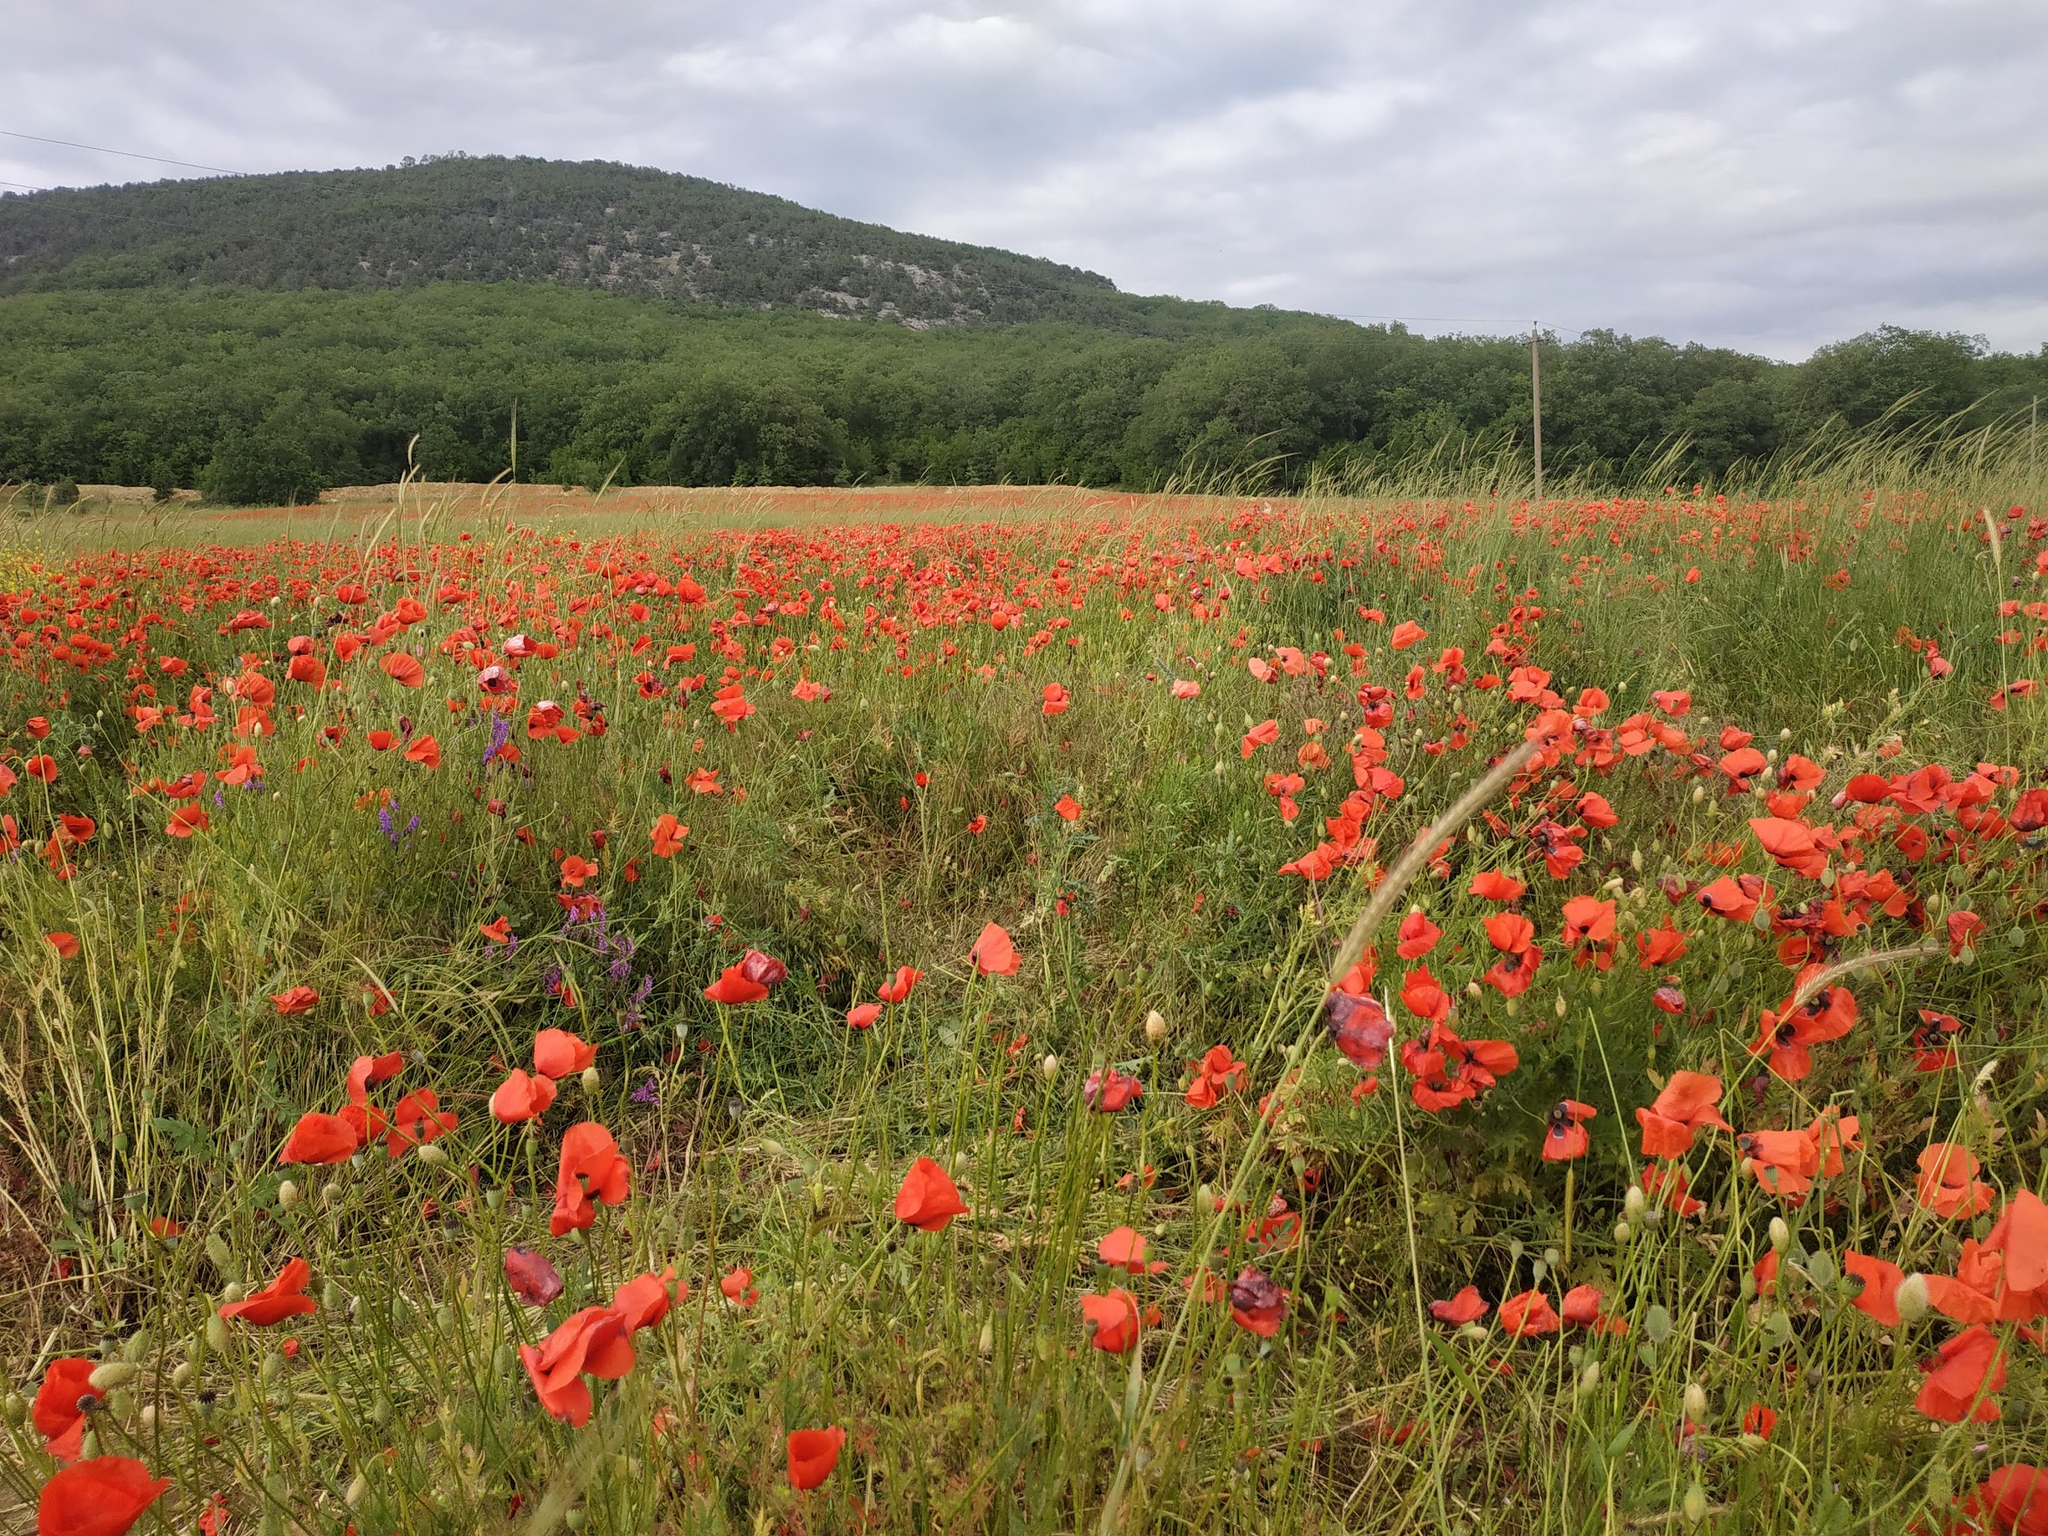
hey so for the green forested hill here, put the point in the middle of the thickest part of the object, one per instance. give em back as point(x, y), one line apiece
point(587, 224)
point(265, 337)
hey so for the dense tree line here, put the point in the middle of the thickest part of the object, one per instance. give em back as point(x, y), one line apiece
point(254, 395)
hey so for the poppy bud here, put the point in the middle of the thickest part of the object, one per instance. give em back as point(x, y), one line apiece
point(288, 1194)
point(14, 1410)
point(1589, 1378)
point(590, 1079)
point(1050, 1066)
point(1821, 1272)
point(432, 1156)
point(1911, 1298)
point(1155, 1026)
point(1632, 1203)
point(115, 1373)
point(216, 1333)
point(1560, 1005)
point(986, 1344)
point(1696, 1402)
point(184, 1375)
point(358, 1489)
point(1695, 1505)
point(1622, 1233)
point(1781, 1235)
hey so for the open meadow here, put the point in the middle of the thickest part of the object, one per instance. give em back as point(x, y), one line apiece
point(1029, 1012)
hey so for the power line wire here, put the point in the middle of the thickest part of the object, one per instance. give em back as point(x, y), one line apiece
point(100, 149)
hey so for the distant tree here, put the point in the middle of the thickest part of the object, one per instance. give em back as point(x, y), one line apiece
point(258, 469)
point(64, 493)
point(1862, 379)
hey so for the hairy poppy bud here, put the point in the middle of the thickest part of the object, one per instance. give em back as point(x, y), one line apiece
point(1050, 1066)
point(590, 1079)
point(1589, 1378)
point(216, 1333)
point(288, 1194)
point(986, 1344)
point(1695, 1505)
point(1696, 1402)
point(1155, 1026)
point(184, 1375)
point(1821, 1272)
point(432, 1156)
point(1911, 1298)
point(1632, 1203)
point(1781, 1235)
point(358, 1488)
point(14, 1410)
point(1561, 1005)
point(115, 1373)
point(1622, 1233)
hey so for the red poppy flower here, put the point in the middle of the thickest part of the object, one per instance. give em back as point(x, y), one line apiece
point(1055, 699)
point(1216, 1074)
point(1465, 1307)
point(1423, 996)
point(1417, 937)
point(1257, 1304)
point(1759, 1421)
point(558, 1054)
point(520, 1098)
point(863, 1015)
point(366, 1072)
point(738, 1288)
point(1581, 1308)
point(898, 989)
point(644, 1300)
point(591, 1341)
point(1784, 1162)
point(284, 1297)
point(1791, 844)
point(43, 766)
point(403, 670)
point(1528, 1315)
point(590, 1170)
point(1565, 1136)
point(1948, 1184)
point(533, 1281)
point(733, 988)
point(1124, 1248)
point(319, 1138)
point(101, 1497)
point(1685, 1106)
point(575, 870)
point(1970, 1367)
point(668, 835)
point(381, 741)
point(296, 1000)
point(1264, 734)
point(1661, 947)
point(2020, 1237)
point(498, 932)
point(66, 944)
point(1879, 1298)
point(1510, 932)
point(813, 1454)
point(993, 953)
point(2014, 1499)
point(1067, 808)
point(186, 820)
point(425, 751)
point(1107, 1091)
point(928, 1199)
point(1405, 634)
point(1112, 1321)
point(58, 1416)
point(1492, 885)
point(417, 1120)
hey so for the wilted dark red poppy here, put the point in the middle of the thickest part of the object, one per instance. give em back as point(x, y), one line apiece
point(532, 1280)
point(1257, 1304)
point(927, 1198)
point(813, 1454)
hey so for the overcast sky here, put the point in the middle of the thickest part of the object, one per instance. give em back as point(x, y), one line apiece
point(1769, 174)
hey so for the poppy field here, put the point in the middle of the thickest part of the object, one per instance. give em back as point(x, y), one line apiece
point(1201, 1014)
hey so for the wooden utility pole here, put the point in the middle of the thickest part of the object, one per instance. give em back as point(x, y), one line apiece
point(515, 439)
point(1536, 405)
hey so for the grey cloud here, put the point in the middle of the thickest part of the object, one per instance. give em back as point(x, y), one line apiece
point(1756, 174)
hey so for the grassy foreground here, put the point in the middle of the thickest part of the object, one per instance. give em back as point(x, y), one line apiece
point(308, 842)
